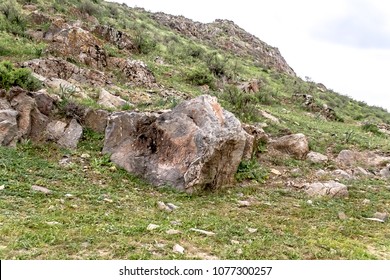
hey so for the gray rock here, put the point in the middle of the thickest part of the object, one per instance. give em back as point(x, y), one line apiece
point(109, 100)
point(316, 157)
point(342, 216)
point(96, 120)
point(40, 189)
point(385, 172)
point(321, 173)
point(71, 136)
point(341, 174)
point(381, 216)
point(294, 144)
point(347, 157)
point(198, 145)
point(331, 189)
point(361, 172)
point(55, 130)
point(8, 127)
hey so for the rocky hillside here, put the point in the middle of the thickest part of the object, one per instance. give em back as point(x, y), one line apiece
point(103, 106)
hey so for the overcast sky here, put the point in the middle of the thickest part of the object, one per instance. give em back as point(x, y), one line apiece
point(344, 44)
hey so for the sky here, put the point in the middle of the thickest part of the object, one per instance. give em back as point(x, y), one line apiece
point(344, 44)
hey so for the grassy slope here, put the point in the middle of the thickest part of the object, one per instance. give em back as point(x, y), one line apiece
point(108, 214)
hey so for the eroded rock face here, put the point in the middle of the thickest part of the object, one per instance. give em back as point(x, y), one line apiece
point(195, 146)
point(294, 144)
point(114, 36)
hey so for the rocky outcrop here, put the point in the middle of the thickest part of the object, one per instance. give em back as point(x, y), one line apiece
point(118, 38)
point(294, 144)
point(330, 189)
point(96, 120)
point(366, 158)
point(111, 101)
point(198, 145)
point(228, 36)
point(58, 68)
point(8, 127)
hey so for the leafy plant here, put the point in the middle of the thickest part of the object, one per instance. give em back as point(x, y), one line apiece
point(251, 170)
point(17, 77)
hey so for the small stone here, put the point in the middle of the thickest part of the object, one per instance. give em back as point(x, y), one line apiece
point(152, 227)
point(342, 216)
point(321, 173)
point(163, 207)
point(252, 230)
point(239, 251)
point(68, 195)
point(173, 231)
point(275, 172)
point(75, 206)
point(53, 223)
point(108, 200)
point(310, 202)
point(205, 232)
point(178, 249)
point(113, 168)
point(172, 206)
point(366, 201)
point(235, 242)
point(176, 223)
point(381, 216)
point(243, 203)
point(85, 156)
point(65, 161)
point(316, 157)
point(40, 189)
point(2, 187)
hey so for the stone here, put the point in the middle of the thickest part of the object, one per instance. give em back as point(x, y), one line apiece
point(136, 72)
point(270, 117)
point(45, 103)
point(252, 230)
point(55, 130)
point(2, 187)
point(40, 189)
point(385, 172)
point(254, 136)
point(111, 101)
point(162, 206)
point(347, 157)
point(366, 201)
point(96, 120)
point(116, 37)
point(381, 216)
point(361, 172)
point(205, 232)
point(173, 231)
point(331, 189)
point(8, 127)
point(178, 249)
point(151, 227)
point(196, 146)
point(316, 157)
point(243, 203)
point(275, 172)
point(341, 174)
point(342, 216)
point(71, 136)
point(294, 144)
point(321, 172)
point(172, 206)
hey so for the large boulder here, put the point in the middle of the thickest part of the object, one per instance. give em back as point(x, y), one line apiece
point(294, 144)
point(8, 127)
point(198, 145)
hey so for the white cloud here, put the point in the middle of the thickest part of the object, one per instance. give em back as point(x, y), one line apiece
point(341, 43)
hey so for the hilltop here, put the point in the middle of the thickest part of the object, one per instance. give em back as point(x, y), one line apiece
point(285, 168)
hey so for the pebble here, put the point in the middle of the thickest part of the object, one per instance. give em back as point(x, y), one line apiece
point(366, 201)
point(178, 249)
point(310, 202)
point(252, 230)
point(275, 172)
point(2, 187)
point(173, 231)
point(243, 203)
point(53, 223)
point(205, 232)
point(40, 189)
point(235, 242)
point(342, 216)
point(163, 207)
point(381, 216)
point(151, 227)
point(85, 155)
point(172, 206)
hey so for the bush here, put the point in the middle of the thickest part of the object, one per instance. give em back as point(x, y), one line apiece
point(370, 127)
point(13, 21)
point(88, 7)
point(17, 77)
point(143, 43)
point(200, 76)
point(251, 170)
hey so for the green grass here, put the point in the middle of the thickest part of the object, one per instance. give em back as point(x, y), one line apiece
point(109, 211)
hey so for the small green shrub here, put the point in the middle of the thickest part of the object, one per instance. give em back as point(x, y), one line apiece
point(17, 77)
point(200, 76)
point(370, 127)
point(90, 8)
point(143, 43)
point(251, 170)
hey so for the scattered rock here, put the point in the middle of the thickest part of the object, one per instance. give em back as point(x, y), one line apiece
point(96, 120)
point(266, 115)
point(347, 157)
point(40, 189)
point(205, 232)
point(116, 37)
point(243, 203)
point(71, 136)
point(252, 230)
point(276, 172)
point(331, 189)
point(151, 227)
point(178, 249)
point(234, 242)
point(361, 172)
point(381, 216)
point(366, 201)
point(172, 206)
point(68, 195)
point(385, 172)
point(85, 156)
point(53, 223)
point(2, 187)
point(8, 127)
point(338, 173)
point(198, 145)
point(342, 216)
point(111, 101)
point(321, 173)
point(173, 231)
point(294, 144)
point(55, 130)
point(316, 157)
point(163, 207)
point(310, 202)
